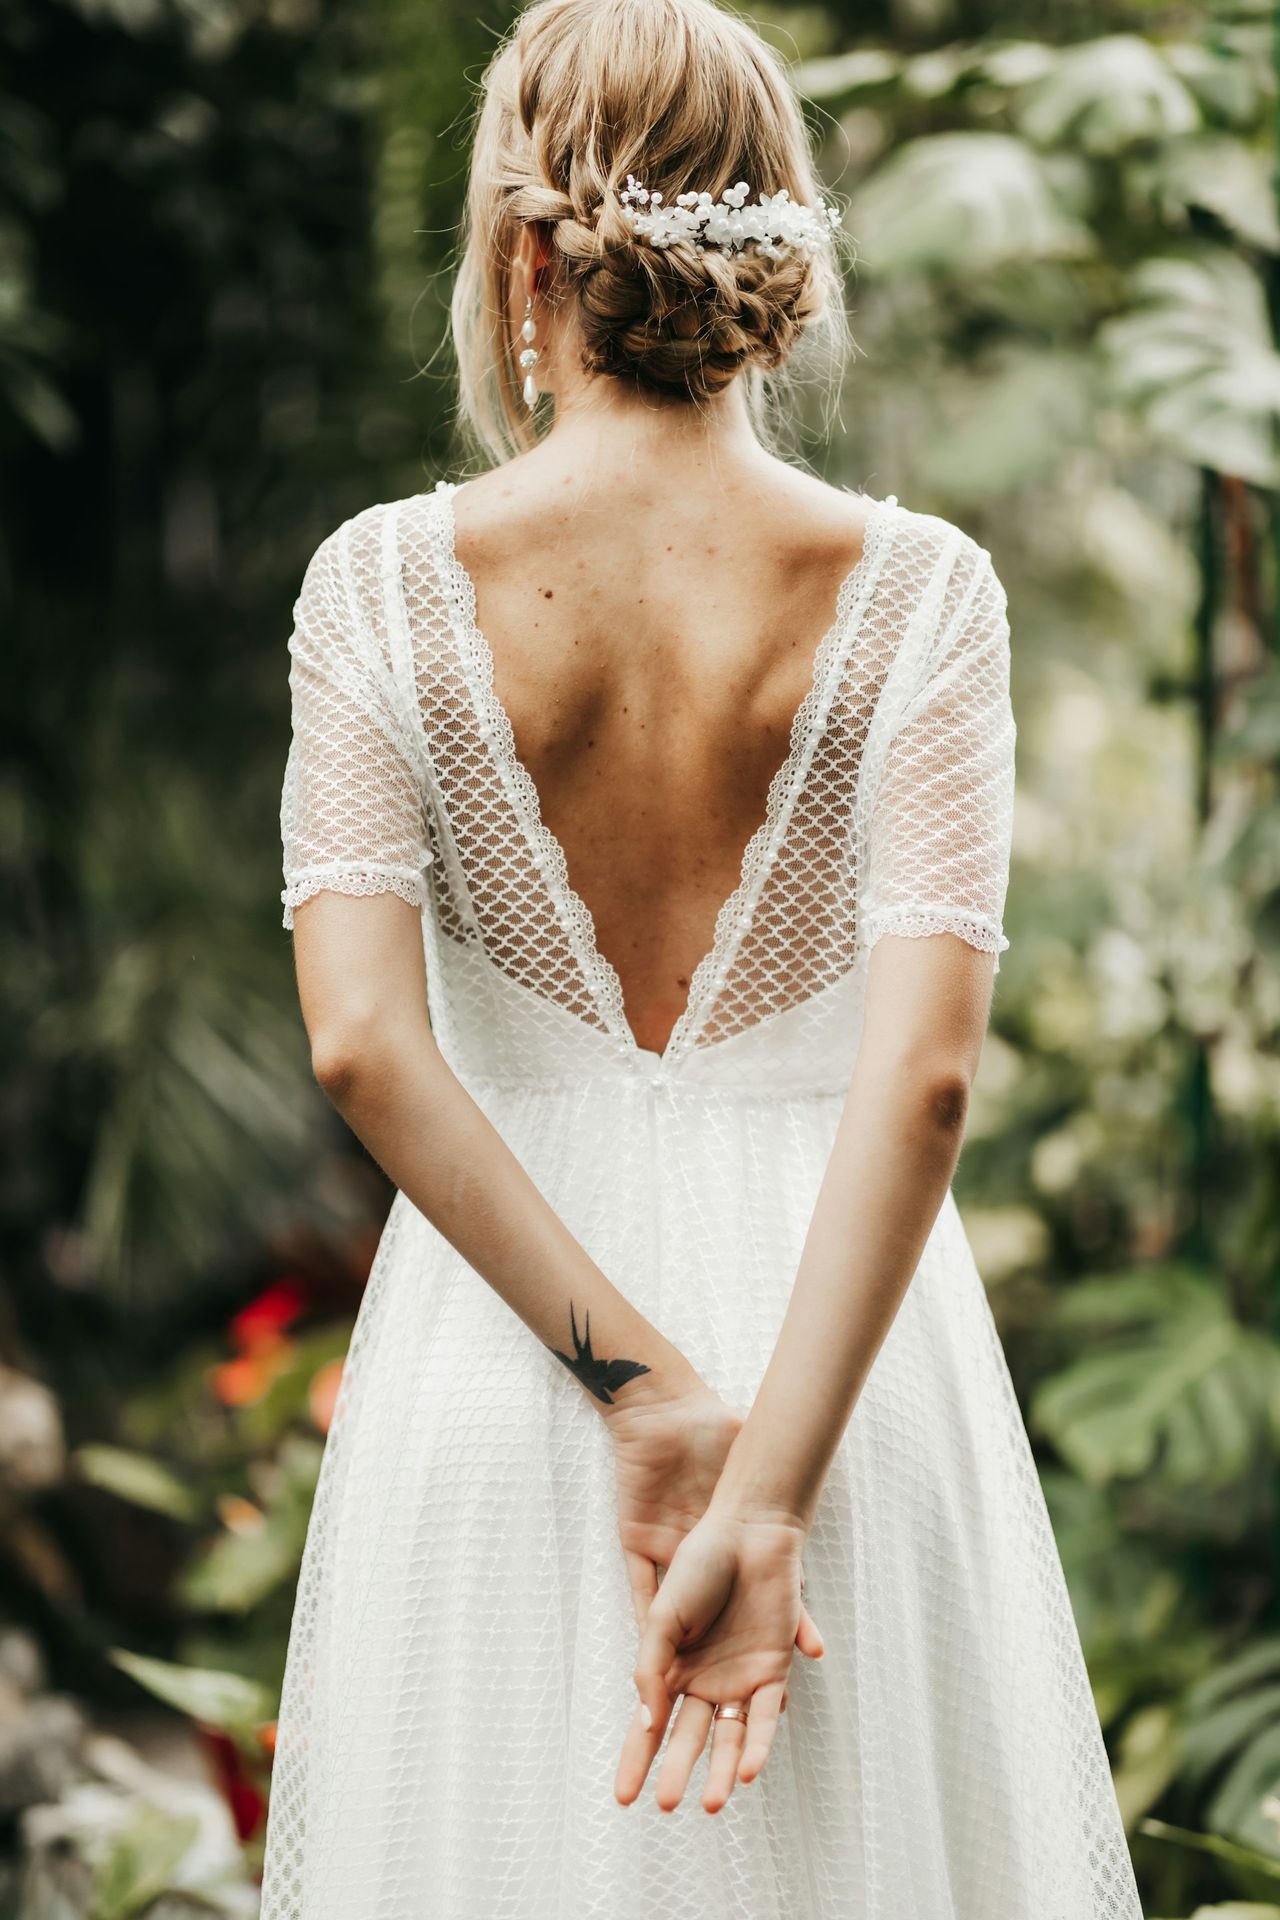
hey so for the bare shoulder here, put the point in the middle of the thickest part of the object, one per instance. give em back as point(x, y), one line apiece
point(507, 506)
point(814, 513)
point(767, 503)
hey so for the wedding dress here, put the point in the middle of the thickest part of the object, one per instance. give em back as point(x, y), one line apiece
point(459, 1673)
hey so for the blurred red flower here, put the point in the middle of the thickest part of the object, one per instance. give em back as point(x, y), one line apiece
point(246, 1800)
point(239, 1382)
point(266, 1317)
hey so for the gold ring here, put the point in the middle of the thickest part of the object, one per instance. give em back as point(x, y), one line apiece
point(737, 1711)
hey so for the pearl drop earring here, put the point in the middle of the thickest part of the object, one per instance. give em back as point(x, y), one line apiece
point(529, 355)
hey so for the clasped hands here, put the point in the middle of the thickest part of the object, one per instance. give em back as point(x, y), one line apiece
point(724, 1620)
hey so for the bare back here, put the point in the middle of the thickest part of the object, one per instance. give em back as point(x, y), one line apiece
point(651, 659)
point(664, 773)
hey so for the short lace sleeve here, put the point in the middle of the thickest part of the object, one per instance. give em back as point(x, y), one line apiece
point(352, 818)
point(942, 821)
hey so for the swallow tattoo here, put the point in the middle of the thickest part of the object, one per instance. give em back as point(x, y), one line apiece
point(601, 1377)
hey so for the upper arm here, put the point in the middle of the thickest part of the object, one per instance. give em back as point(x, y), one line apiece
point(361, 979)
point(926, 1010)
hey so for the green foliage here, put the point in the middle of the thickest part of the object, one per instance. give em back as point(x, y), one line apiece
point(1107, 96)
point(1238, 1910)
point(139, 1478)
point(140, 1863)
point(1233, 1733)
point(225, 1700)
point(1168, 1385)
point(239, 1569)
point(223, 274)
point(1194, 358)
point(960, 202)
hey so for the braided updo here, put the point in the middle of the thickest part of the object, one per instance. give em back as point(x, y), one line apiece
point(684, 96)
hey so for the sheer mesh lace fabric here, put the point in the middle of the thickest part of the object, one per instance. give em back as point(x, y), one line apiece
point(458, 1680)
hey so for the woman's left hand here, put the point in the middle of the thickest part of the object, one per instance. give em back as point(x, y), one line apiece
point(723, 1627)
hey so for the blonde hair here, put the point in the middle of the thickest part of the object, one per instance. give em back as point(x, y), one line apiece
point(686, 97)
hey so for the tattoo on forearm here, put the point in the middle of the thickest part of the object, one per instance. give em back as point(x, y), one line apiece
point(602, 1377)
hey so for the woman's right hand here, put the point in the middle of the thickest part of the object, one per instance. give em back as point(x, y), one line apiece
point(668, 1453)
point(722, 1627)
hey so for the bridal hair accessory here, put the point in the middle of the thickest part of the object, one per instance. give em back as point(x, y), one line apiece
point(775, 223)
point(529, 355)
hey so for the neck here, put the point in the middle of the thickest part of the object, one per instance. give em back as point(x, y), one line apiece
point(604, 423)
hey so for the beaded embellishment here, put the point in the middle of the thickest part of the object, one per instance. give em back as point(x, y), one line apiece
point(774, 223)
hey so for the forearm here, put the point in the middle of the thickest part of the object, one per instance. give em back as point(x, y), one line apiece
point(895, 1151)
point(403, 1101)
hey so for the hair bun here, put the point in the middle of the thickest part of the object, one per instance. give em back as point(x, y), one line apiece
point(686, 319)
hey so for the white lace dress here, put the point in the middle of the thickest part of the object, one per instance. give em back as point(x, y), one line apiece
point(459, 1672)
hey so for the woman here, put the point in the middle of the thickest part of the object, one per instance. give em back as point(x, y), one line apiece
point(646, 836)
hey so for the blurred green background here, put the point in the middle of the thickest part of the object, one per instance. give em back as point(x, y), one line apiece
point(225, 237)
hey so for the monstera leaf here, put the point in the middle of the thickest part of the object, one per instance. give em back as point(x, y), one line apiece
point(843, 76)
point(1223, 177)
point(1108, 95)
point(962, 201)
point(1194, 358)
point(1172, 1387)
point(1233, 1722)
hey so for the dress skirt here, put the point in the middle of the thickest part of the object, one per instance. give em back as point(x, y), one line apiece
point(459, 1676)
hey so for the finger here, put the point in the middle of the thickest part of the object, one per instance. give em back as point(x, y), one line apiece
point(728, 1738)
point(808, 1635)
point(688, 1738)
point(643, 1576)
point(638, 1750)
point(658, 1642)
point(762, 1723)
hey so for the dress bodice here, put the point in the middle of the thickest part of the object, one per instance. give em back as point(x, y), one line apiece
point(891, 812)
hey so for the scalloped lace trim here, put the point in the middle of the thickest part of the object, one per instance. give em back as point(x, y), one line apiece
point(359, 882)
point(914, 923)
point(734, 916)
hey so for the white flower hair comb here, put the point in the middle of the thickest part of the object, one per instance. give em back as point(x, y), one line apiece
point(774, 223)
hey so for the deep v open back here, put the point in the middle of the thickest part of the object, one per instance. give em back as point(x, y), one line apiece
point(459, 1669)
point(830, 658)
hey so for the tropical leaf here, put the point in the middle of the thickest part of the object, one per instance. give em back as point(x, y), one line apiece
point(962, 201)
point(1146, 1760)
point(241, 1567)
point(1013, 428)
point(1194, 358)
point(1226, 77)
point(139, 1865)
point(1232, 1722)
point(1259, 1661)
point(1224, 177)
point(239, 1570)
point(138, 1478)
point(844, 75)
point(1245, 1861)
point(215, 1699)
point(1173, 1387)
point(1246, 1807)
point(1108, 95)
